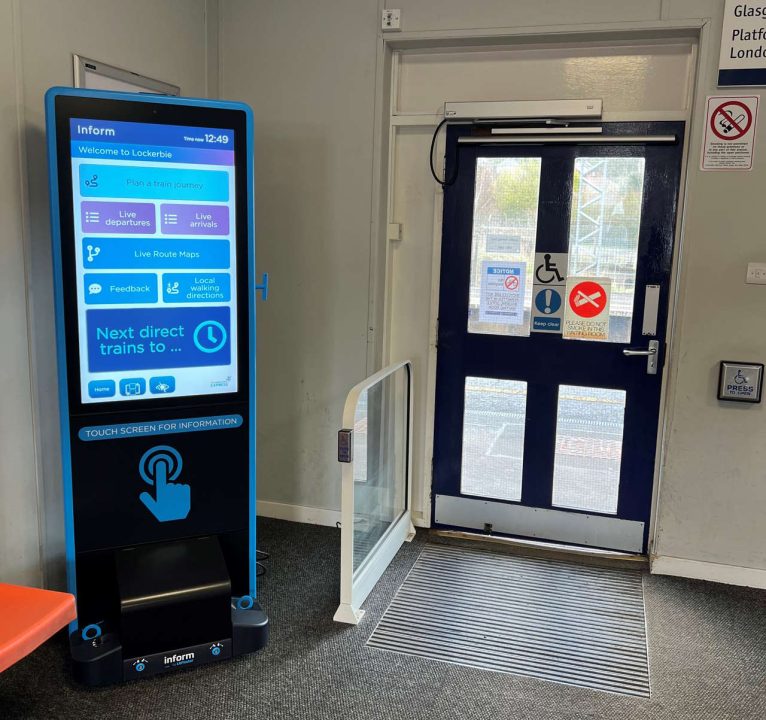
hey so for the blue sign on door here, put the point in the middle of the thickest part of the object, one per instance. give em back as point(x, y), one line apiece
point(547, 312)
point(548, 301)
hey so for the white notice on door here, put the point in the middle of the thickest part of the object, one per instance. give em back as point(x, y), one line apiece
point(729, 133)
point(502, 293)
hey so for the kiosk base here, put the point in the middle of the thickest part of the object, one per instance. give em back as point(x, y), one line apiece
point(175, 610)
point(100, 661)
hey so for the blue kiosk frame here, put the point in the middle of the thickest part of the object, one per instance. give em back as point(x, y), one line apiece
point(164, 572)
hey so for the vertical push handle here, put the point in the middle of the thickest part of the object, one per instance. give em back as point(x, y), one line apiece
point(263, 286)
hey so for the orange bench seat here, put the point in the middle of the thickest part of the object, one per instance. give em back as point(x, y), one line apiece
point(28, 617)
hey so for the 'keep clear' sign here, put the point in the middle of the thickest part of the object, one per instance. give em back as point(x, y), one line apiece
point(743, 44)
point(502, 293)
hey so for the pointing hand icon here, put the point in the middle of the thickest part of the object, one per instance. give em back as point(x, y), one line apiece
point(172, 501)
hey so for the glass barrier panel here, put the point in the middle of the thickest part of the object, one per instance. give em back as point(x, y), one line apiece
point(380, 461)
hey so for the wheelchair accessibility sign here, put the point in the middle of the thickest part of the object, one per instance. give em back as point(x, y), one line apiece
point(548, 292)
point(551, 268)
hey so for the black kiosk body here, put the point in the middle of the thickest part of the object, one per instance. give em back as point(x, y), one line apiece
point(153, 247)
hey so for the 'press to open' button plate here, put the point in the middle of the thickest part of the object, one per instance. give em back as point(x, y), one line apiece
point(740, 382)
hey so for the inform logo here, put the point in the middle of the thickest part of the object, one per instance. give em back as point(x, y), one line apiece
point(178, 659)
point(91, 130)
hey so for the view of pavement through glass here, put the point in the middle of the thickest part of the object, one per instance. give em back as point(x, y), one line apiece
point(588, 443)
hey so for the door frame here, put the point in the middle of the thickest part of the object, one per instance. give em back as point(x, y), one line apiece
point(668, 378)
point(533, 514)
point(694, 30)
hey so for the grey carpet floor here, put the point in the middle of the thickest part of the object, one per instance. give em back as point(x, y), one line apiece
point(707, 656)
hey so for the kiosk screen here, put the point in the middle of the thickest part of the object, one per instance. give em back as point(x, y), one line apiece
point(154, 232)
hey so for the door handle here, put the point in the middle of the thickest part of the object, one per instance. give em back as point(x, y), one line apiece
point(630, 352)
point(650, 354)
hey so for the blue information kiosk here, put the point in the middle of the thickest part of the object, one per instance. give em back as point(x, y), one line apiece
point(154, 255)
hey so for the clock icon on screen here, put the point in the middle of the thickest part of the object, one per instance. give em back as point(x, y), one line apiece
point(210, 336)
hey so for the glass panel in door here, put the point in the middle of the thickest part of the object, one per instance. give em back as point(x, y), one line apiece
point(493, 437)
point(589, 429)
point(604, 225)
point(505, 204)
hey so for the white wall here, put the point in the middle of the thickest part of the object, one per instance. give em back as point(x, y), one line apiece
point(168, 40)
point(19, 528)
point(308, 69)
point(713, 494)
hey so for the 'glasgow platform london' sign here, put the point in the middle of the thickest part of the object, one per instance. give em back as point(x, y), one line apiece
point(743, 44)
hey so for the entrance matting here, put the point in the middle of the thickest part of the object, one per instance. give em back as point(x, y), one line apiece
point(546, 619)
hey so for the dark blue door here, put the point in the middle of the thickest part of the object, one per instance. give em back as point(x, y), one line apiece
point(556, 260)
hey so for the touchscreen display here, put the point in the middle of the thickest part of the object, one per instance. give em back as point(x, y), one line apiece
point(154, 231)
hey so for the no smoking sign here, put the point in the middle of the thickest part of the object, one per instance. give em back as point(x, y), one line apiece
point(731, 120)
point(511, 282)
point(587, 308)
point(729, 133)
point(588, 299)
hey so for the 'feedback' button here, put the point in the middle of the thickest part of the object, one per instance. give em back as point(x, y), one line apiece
point(120, 288)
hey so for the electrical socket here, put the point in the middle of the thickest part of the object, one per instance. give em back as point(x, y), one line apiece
point(756, 273)
point(391, 21)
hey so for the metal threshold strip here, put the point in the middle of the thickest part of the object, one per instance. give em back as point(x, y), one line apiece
point(540, 548)
point(546, 619)
point(580, 139)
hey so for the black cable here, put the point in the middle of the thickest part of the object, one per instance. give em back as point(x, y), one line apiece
point(445, 182)
point(260, 568)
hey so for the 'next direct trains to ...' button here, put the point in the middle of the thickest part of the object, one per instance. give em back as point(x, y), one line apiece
point(120, 288)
